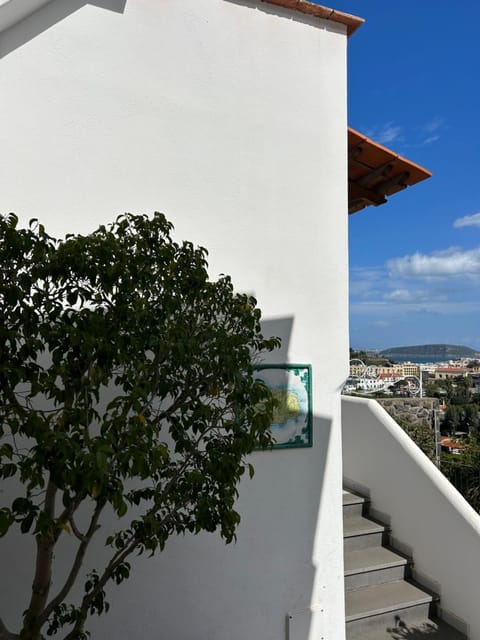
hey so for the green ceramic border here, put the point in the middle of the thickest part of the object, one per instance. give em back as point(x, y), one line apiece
point(289, 367)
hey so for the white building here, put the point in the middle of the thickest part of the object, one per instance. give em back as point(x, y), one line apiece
point(370, 384)
point(230, 117)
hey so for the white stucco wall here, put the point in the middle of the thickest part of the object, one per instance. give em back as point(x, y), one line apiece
point(230, 117)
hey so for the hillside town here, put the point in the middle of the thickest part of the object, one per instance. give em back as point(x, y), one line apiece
point(436, 403)
point(409, 378)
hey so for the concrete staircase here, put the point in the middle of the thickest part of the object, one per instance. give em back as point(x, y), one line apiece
point(382, 602)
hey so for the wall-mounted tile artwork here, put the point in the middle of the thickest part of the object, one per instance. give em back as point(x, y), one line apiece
point(292, 387)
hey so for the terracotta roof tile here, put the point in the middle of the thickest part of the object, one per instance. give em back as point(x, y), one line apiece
point(351, 22)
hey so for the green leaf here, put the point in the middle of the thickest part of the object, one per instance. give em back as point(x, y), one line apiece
point(6, 520)
point(26, 523)
point(21, 505)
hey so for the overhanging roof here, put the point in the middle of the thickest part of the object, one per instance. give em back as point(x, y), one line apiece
point(351, 22)
point(375, 172)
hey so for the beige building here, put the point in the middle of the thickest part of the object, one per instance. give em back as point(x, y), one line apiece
point(411, 369)
point(443, 373)
point(401, 370)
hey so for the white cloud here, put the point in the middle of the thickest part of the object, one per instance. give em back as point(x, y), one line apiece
point(385, 133)
point(403, 295)
point(385, 310)
point(431, 131)
point(451, 262)
point(434, 125)
point(364, 281)
point(388, 133)
point(431, 139)
point(468, 221)
point(408, 138)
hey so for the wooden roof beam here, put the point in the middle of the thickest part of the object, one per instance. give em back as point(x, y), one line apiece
point(394, 182)
point(355, 152)
point(382, 171)
point(357, 192)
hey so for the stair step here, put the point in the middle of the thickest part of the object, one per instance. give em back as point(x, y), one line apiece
point(377, 599)
point(385, 605)
point(360, 532)
point(380, 602)
point(373, 565)
point(353, 504)
point(432, 629)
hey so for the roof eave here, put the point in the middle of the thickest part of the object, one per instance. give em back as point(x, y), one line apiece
point(351, 22)
point(375, 172)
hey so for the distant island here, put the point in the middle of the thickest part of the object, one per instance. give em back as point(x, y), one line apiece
point(434, 351)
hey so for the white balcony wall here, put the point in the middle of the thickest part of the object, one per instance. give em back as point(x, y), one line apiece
point(230, 117)
point(430, 520)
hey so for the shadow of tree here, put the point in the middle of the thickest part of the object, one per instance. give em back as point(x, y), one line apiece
point(403, 631)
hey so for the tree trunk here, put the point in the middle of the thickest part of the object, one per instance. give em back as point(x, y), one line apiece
point(43, 573)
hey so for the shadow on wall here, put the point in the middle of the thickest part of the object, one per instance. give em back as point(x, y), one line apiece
point(47, 16)
point(265, 583)
point(198, 587)
point(281, 328)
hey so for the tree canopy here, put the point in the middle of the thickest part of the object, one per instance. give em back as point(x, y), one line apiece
point(127, 379)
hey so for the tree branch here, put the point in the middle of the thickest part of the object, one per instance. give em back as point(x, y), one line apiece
point(120, 557)
point(116, 560)
point(75, 530)
point(87, 599)
point(72, 576)
point(68, 512)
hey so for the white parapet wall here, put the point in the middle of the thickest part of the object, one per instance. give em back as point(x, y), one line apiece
point(429, 518)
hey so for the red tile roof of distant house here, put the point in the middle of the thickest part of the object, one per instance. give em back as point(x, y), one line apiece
point(351, 22)
point(451, 444)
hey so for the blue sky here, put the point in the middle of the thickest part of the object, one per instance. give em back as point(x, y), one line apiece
point(414, 87)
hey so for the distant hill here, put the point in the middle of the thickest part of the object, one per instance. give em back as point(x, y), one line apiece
point(437, 351)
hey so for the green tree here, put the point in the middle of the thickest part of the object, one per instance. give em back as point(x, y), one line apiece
point(400, 387)
point(471, 419)
point(127, 382)
point(422, 435)
point(463, 471)
point(450, 390)
point(453, 419)
point(462, 390)
point(434, 389)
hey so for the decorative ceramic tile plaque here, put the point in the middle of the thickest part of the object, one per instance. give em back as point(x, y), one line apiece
point(292, 387)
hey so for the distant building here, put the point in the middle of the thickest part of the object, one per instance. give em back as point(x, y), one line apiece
point(411, 369)
point(449, 445)
point(402, 370)
point(445, 373)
